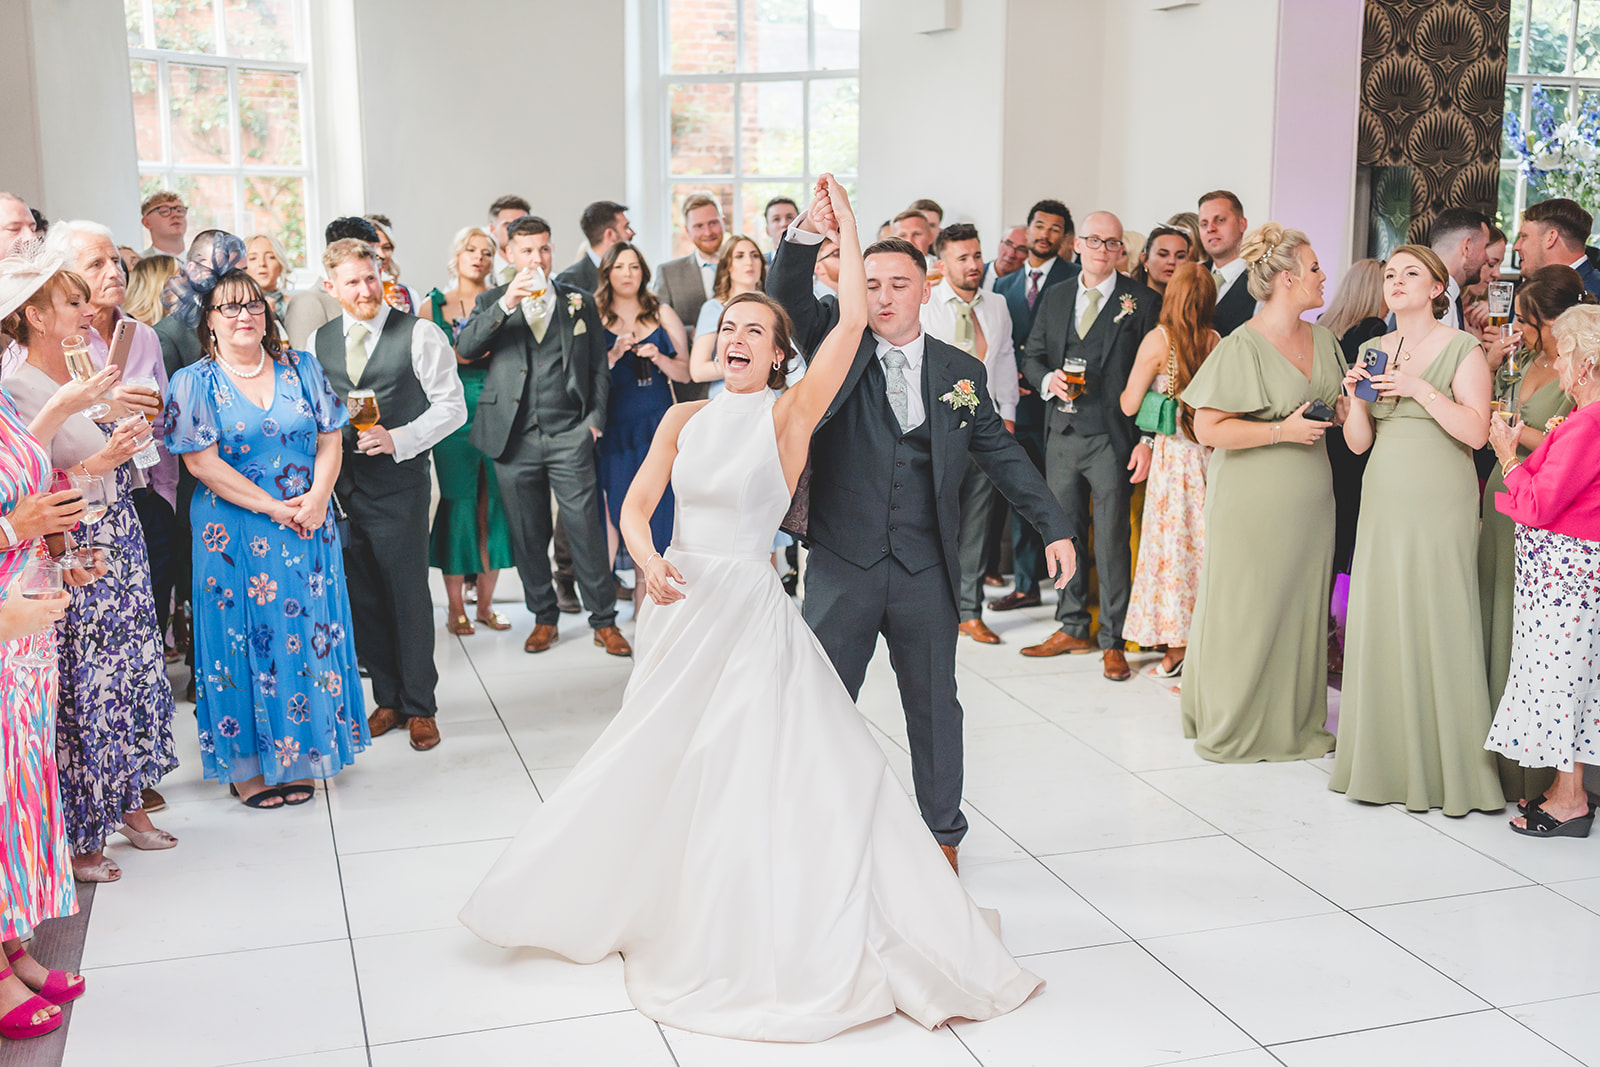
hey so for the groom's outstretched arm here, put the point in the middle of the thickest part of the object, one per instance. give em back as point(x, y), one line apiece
point(789, 283)
point(1000, 457)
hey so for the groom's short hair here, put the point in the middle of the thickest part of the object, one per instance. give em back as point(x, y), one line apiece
point(897, 246)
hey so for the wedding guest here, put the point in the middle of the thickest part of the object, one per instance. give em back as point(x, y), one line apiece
point(1544, 296)
point(1459, 236)
point(1008, 258)
point(778, 214)
point(113, 732)
point(1475, 297)
point(1048, 232)
point(932, 212)
point(1132, 240)
point(913, 226)
point(604, 223)
point(1256, 676)
point(310, 309)
point(265, 260)
point(470, 535)
point(825, 277)
point(644, 344)
point(1189, 223)
point(166, 219)
point(1222, 230)
point(395, 292)
point(1172, 531)
point(502, 213)
point(1553, 232)
point(280, 704)
point(1414, 705)
point(16, 221)
point(1547, 716)
point(1101, 317)
point(384, 482)
point(550, 381)
point(685, 283)
point(740, 269)
point(1355, 316)
point(960, 313)
point(145, 283)
point(128, 258)
point(1164, 249)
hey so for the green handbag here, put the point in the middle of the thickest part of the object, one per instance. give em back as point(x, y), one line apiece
point(1158, 412)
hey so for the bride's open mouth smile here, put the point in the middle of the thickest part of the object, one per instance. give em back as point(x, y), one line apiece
point(737, 359)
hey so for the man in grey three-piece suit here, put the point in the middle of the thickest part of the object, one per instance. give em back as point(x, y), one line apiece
point(683, 284)
point(542, 409)
point(884, 507)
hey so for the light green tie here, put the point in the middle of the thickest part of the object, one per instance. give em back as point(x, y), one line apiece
point(964, 338)
point(1090, 310)
point(355, 352)
point(506, 274)
point(538, 321)
point(1216, 276)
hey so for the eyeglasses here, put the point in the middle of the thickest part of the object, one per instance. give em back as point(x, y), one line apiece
point(1113, 243)
point(1012, 246)
point(168, 211)
point(232, 308)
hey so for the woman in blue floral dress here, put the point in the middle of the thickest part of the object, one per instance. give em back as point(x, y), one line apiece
point(279, 696)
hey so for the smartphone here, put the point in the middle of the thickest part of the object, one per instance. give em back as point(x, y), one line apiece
point(1375, 360)
point(1319, 411)
point(121, 344)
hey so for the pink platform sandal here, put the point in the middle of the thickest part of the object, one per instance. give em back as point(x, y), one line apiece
point(58, 988)
point(18, 1025)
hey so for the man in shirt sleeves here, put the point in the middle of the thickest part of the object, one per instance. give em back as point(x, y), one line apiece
point(384, 484)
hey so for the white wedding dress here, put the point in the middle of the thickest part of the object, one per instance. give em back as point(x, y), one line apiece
point(735, 833)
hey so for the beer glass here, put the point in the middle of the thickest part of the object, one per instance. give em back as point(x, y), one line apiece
point(1500, 305)
point(1073, 370)
point(363, 405)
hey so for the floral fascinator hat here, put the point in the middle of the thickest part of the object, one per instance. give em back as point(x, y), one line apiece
point(186, 292)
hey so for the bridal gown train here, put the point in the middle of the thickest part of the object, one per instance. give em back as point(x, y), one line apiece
point(736, 833)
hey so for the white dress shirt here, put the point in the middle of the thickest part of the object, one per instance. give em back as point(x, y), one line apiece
point(433, 361)
point(1230, 274)
point(994, 319)
point(1452, 313)
point(915, 414)
point(1105, 289)
point(708, 273)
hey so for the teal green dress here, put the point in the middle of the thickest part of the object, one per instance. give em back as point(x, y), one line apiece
point(1414, 709)
point(462, 471)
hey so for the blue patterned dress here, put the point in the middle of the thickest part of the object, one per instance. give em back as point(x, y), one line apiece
point(279, 692)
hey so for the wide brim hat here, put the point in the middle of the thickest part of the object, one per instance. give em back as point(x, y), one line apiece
point(23, 272)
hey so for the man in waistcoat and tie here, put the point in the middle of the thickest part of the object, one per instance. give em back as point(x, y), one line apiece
point(542, 409)
point(1099, 318)
point(384, 484)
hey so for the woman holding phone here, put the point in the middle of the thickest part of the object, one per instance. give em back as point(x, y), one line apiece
point(1415, 706)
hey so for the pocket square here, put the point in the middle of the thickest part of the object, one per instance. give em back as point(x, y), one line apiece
point(580, 327)
point(962, 426)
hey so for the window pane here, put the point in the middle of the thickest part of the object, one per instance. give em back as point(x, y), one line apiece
point(269, 118)
point(186, 26)
point(753, 197)
point(835, 125)
point(197, 105)
point(775, 35)
point(1513, 109)
point(1548, 36)
point(277, 206)
point(702, 128)
point(146, 110)
point(209, 198)
point(1586, 56)
point(702, 36)
point(839, 34)
point(680, 193)
point(260, 29)
point(149, 184)
point(770, 123)
point(133, 12)
point(1508, 209)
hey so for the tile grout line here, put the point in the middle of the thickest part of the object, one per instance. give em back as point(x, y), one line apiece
point(344, 903)
point(504, 726)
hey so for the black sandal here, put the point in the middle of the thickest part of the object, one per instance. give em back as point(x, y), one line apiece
point(259, 800)
point(290, 792)
point(1541, 823)
point(1522, 805)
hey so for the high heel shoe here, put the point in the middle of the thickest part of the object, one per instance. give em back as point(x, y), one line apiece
point(147, 840)
point(18, 1025)
point(58, 989)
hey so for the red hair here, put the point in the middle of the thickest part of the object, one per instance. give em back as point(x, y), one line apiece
point(1187, 312)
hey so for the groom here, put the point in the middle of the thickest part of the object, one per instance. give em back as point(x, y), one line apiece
point(884, 511)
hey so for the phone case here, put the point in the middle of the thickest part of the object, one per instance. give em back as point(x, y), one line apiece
point(1375, 360)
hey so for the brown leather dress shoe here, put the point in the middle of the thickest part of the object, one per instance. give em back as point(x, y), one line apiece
point(1059, 642)
point(1115, 665)
point(541, 639)
point(382, 720)
point(610, 638)
point(1012, 601)
point(979, 632)
point(424, 733)
point(950, 854)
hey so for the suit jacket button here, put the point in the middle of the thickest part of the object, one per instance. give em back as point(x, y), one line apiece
point(892, 529)
point(885, 548)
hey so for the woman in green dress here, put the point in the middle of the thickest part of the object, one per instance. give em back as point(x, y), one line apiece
point(1544, 295)
point(1256, 676)
point(1415, 707)
point(469, 530)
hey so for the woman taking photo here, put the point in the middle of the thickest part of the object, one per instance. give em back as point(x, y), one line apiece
point(1256, 674)
point(741, 268)
point(279, 702)
point(470, 535)
point(1550, 713)
point(1414, 705)
point(1172, 530)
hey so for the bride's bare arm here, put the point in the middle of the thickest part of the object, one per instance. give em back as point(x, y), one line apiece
point(655, 474)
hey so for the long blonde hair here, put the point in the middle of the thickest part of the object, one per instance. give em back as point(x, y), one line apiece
point(1360, 296)
point(145, 283)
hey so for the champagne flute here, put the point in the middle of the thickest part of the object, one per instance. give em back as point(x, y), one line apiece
point(1074, 370)
point(80, 364)
point(363, 405)
point(41, 579)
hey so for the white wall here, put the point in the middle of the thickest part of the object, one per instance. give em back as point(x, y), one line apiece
point(465, 101)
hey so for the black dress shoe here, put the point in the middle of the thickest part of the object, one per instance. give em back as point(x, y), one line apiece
point(1012, 601)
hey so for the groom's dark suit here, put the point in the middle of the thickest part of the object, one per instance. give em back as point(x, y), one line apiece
point(884, 515)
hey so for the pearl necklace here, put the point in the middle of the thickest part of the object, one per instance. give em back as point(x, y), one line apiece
point(260, 366)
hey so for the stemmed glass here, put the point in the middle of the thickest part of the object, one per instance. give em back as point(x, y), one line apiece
point(41, 579)
point(80, 364)
point(1074, 370)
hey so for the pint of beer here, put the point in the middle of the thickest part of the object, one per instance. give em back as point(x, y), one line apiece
point(363, 405)
point(1500, 303)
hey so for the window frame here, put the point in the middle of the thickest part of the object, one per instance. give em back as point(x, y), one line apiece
point(232, 65)
point(738, 78)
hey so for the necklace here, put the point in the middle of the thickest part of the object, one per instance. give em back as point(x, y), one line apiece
point(236, 372)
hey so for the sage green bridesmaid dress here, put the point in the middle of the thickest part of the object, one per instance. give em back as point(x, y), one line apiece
point(1497, 569)
point(1255, 680)
point(1414, 709)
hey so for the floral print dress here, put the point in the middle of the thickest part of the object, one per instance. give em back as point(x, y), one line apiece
point(278, 690)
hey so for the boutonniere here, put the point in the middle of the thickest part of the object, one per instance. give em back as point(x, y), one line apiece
point(574, 304)
point(964, 397)
point(1553, 422)
point(1129, 306)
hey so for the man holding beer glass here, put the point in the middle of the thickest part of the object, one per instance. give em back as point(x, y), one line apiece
point(392, 366)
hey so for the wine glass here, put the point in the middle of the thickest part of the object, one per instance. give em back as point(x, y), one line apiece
point(41, 579)
point(363, 405)
point(80, 364)
point(1073, 369)
point(56, 543)
point(96, 497)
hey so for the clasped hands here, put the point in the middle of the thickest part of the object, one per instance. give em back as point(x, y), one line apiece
point(304, 514)
point(828, 205)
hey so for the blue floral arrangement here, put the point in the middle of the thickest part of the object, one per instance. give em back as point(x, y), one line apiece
point(1558, 154)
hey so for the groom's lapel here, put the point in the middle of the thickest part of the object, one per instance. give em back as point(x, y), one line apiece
point(936, 378)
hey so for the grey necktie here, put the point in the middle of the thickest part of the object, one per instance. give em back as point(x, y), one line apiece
point(894, 376)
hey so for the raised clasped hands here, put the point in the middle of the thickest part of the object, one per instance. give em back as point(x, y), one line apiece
point(658, 578)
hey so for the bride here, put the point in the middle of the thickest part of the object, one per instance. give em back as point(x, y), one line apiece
point(736, 833)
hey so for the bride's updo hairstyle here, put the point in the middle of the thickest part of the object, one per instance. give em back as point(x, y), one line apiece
point(781, 329)
point(1269, 251)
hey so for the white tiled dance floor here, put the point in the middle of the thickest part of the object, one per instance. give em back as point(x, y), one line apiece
point(1180, 911)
